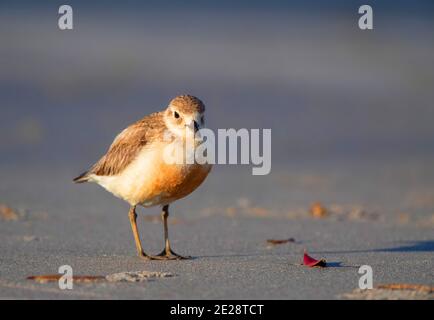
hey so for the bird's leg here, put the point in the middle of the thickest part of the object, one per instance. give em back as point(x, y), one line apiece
point(167, 253)
point(133, 218)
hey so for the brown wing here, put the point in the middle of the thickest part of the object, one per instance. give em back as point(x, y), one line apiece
point(126, 146)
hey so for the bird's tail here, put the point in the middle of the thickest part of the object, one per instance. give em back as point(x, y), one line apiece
point(82, 178)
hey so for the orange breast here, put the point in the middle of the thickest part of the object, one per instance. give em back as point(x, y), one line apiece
point(173, 182)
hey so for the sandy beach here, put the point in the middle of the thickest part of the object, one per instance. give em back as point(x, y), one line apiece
point(59, 223)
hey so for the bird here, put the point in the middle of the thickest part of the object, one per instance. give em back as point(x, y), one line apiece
point(136, 169)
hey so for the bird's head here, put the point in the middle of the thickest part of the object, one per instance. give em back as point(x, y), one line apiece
point(185, 115)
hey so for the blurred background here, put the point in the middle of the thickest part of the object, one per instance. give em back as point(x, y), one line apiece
point(351, 111)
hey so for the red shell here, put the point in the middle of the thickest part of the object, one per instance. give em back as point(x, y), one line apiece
point(311, 262)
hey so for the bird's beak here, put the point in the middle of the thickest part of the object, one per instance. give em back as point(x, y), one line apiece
point(193, 125)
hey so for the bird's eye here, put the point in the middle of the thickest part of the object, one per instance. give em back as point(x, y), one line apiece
point(176, 115)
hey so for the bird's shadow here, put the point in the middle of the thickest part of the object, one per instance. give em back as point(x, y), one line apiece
point(338, 264)
point(408, 246)
point(333, 264)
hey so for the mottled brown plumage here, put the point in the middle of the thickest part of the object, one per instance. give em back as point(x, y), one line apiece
point(188, 104)
point(128, 144)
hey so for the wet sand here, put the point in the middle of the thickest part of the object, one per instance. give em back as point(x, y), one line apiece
point(60, 223)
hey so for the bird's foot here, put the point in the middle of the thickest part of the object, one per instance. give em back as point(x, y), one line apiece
point(169, 255)
point(144, 256)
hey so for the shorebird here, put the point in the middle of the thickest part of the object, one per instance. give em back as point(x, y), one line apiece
point(135, 169)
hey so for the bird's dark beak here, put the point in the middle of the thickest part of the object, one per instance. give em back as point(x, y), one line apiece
point(196, 126)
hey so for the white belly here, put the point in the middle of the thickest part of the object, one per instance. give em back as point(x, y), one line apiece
point(131, 181)
point(150, 181)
